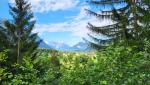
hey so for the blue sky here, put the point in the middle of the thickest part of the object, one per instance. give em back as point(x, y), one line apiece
point(58, 20)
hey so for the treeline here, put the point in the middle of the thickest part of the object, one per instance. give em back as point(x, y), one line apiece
point(123, 58)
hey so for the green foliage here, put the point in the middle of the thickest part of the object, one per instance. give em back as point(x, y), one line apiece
point(19, 75)
point(130, 22)
point(16, 34)
point(114, 65)
point(48, 67)
point(3, 56)
point(111, 66)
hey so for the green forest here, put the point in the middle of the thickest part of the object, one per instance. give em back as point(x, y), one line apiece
point(122, 58)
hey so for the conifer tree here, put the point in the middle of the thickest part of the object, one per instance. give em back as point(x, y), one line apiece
point(128, 22)
point(16, 34)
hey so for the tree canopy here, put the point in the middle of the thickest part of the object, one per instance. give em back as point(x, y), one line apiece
point(128, 17)
point(16, 34)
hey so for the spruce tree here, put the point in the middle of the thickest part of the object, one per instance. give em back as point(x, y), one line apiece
point(16, 34)
point(129, 22)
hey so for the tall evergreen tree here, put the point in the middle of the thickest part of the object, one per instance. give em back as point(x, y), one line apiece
point(16, 34)
point(128, 21)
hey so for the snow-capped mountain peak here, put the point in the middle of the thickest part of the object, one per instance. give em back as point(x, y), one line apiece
point(81, 46)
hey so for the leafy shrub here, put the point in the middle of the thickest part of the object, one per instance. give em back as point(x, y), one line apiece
point(111, 66)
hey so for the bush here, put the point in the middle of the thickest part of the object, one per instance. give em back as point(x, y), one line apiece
point(111, 66)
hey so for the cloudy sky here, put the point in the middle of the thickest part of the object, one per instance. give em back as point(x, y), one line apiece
point(58, 20)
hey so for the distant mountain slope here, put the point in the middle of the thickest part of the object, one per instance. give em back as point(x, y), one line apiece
point(43, 44)
point(59, 46)
point(79, 47)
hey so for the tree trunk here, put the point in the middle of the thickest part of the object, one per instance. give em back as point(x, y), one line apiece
point(18, 50)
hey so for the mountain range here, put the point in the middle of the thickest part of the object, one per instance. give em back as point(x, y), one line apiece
point(81, 46)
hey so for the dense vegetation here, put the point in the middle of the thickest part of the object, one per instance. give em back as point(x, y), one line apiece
point(112, 66)
point(119, 63)
point(129, 22)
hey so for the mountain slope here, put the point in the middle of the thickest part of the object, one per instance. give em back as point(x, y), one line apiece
point(59, 46)
point(43, 44)
point(81, 46)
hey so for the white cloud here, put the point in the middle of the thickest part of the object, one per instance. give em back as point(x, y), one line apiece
point(82, 13)
point(77, 26)
point(51, 5)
